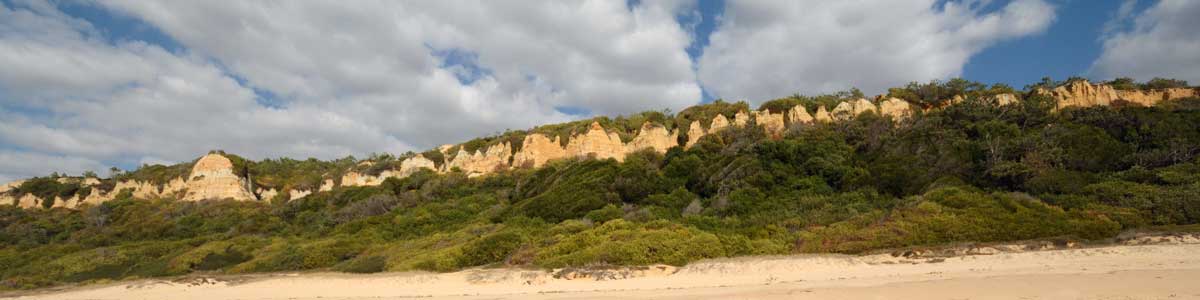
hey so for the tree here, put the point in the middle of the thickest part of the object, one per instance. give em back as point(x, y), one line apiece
point(1164, 83)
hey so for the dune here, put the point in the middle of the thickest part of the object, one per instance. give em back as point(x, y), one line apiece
point(1145, 268)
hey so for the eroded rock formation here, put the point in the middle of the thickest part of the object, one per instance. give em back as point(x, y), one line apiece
point(213, 178)
point(799, 115)
point(482, 161)
point(537, 149)
point(719, 122)
point(850, 109)
point(771, 123)
point(895, 108)
point(1082, 93)
point(597, 143)
point(1005, 99)
point(653, 136)
point(822, 115)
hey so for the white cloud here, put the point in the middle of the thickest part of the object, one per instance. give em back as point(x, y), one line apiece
point(377, 60)
point(1163, 42)
point(74, 101)
point(19, 164)
point(767, 49)
point(350, 79)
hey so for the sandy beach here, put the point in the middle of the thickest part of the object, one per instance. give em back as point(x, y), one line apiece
point(1154, 268)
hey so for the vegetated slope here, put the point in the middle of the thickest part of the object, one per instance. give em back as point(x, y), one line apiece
point(972, 171)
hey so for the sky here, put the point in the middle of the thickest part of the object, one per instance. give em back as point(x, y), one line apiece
point(89, 85)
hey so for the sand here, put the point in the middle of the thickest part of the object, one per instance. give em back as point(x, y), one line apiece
point(1155, 271)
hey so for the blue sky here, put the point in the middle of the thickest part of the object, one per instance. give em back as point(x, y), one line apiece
point(87, 85)
point(1067, 49)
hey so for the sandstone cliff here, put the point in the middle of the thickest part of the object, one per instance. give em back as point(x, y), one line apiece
point(771, 123)
point(719, 122)
point(655, 137)
point(597, 143)
point(895, 108)
point(213, 176)
point(799, 115)
point(1005, 99)
point(482, 161)
point(1082, 93)
point(537, 149)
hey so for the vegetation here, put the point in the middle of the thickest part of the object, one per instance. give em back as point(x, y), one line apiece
point(937, 93)
point(1126, 83)
point(50, 188)
point(626, 127)
point(971, 172)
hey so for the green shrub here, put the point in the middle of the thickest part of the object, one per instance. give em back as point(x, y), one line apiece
point(620, 242)
point(492, 248)
point(364, 264)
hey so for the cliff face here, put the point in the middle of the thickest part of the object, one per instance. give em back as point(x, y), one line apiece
point(1084, 94)
point(798, 114)
point(481, 162)
point(654, 137)
point(537, 149)
point(596, 143)
point(850, 109)
point(771, 123)
point(895, 108)
point(213, 176)
point(1005, 99)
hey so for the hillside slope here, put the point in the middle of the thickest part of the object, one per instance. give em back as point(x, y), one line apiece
point(925, 164)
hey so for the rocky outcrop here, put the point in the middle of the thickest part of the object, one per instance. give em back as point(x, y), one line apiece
point(483, 161)
point(326, 185)
point(771, 123)
point(213, 178)
point(413, 164)
point(10, 186)
point(822, 115)
point(267, 194)
point(297, 194)
point(1153, 97)
point(799, 115)
point(596, 143)
point(655, 137)
point(29, 201)
point(719, 122)
point(356, 179)
point(537, 149)
point(1004, 99)
point(1082, 93)
point(895, 108)
point(850, 109)
point(740, 119)
point(407, 167)
point(695, 132)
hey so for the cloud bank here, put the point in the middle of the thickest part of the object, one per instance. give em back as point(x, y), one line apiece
point(1163, 42)
point(768, 49)
point(317, 79)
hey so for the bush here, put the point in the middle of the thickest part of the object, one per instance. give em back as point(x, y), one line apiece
point(364, 264)
point(608, 212)
point(490, 249)
point(619, 242)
